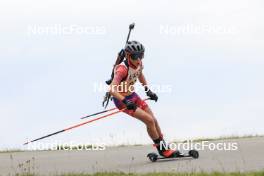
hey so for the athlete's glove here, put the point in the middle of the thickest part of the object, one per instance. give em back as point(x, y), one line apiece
point(152, 95)
point(130, 105)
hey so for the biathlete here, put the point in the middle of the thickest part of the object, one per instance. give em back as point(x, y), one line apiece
point(121, 88)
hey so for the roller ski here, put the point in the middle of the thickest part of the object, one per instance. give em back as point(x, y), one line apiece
point(176, 154)
point(165, 152)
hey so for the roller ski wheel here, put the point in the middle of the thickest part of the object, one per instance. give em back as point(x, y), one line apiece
point(194, 154)
point(153, 157)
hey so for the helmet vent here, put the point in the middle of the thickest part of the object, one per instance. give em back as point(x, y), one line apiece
point(134, 48)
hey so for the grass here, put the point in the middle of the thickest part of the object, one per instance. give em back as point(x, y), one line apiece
point(260, 173)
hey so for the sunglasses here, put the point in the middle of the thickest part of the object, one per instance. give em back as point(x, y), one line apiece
point(136, 56)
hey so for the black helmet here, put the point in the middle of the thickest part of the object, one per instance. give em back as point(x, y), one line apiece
point(134, 47)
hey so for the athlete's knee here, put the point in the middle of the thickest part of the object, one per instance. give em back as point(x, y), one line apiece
point(150, 121)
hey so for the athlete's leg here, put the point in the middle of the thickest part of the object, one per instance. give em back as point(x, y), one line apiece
point(149, 122)
point(140, 114)
point(166, 152)
point(149, 111)
point(144, 114)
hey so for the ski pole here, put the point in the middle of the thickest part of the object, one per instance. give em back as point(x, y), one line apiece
point(74, 126)
point(108, 110)
point(78, 125)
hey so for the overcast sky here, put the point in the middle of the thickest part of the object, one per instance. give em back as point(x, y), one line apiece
point(210, 53)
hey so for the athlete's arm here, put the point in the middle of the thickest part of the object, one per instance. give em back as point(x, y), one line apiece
point(119, 74)
point(143, 80)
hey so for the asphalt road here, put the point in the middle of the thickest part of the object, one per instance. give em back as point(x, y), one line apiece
point(248, 157)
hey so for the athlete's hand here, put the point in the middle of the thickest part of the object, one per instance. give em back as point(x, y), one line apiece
point(130, 105)
point(152, 95)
